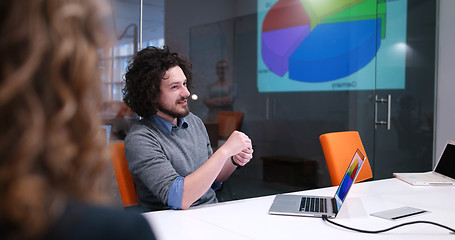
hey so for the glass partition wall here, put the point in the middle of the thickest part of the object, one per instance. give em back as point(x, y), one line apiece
point(131, 32)
point(298, 69)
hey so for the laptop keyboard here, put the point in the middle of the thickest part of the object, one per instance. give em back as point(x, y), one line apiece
point(313, 204)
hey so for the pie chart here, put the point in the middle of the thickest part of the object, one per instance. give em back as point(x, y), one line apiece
point(321, 40)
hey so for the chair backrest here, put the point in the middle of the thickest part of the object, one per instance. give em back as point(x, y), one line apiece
point(338, 148)
point(122, 174)
point(228, 121)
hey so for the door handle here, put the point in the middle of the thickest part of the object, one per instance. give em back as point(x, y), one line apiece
point(387, 100)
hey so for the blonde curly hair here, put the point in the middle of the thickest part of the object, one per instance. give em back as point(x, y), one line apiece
point(51, 145)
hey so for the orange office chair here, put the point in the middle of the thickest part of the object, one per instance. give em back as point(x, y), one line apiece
point(228, 121)
point(122, 174)
point(338, 148)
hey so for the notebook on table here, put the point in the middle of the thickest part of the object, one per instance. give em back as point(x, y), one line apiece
point(442, 174)
point(317, 206)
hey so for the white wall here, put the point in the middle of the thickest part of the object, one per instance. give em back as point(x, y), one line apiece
point(445, 90)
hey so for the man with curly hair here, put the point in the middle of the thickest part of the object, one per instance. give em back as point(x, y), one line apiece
point(168, 149)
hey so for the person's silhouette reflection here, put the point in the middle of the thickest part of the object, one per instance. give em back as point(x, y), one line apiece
point(220, 93)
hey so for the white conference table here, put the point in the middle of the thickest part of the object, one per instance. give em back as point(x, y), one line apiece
point(249, 218)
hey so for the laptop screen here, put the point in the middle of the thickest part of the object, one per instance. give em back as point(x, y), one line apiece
point(446, 164)
point(349, 177)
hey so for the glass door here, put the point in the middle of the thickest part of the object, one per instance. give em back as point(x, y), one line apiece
point(405, 142)
point(304, 68)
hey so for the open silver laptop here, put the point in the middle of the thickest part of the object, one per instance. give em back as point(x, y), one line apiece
point(442, 174)
point(317, 206)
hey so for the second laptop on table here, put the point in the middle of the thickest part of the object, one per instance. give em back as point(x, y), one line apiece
point(442, 174)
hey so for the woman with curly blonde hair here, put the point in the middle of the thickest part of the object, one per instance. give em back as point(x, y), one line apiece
point(53, 155)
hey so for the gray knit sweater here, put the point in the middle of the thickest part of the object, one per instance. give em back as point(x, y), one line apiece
point(156, 158)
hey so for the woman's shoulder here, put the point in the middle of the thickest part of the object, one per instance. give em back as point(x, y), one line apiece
point(85, 221)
